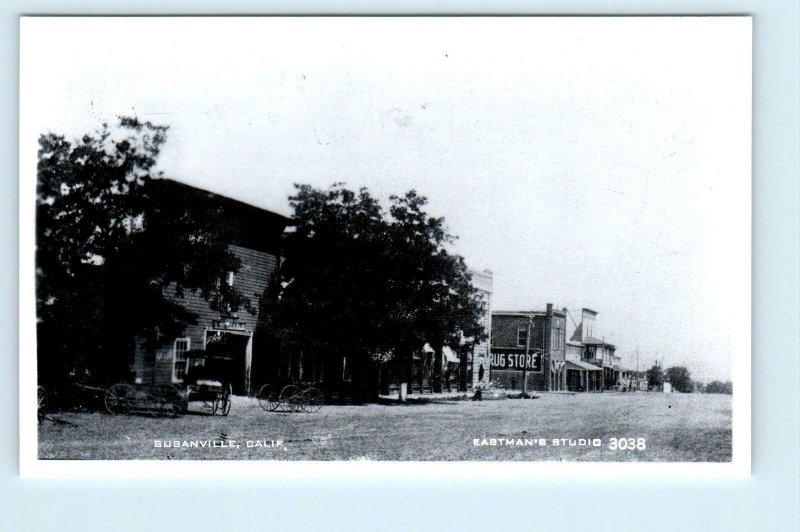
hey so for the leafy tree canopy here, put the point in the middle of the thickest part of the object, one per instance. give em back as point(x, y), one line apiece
point(655, 376)
point(719, 387)
point(361, 278)
point(111, 242)
point(680, 378)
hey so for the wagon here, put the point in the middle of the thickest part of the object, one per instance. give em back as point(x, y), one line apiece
point(155, 400)
point(290, 398)
point(207, 381)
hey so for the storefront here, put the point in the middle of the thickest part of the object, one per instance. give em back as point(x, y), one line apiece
point(583, 377)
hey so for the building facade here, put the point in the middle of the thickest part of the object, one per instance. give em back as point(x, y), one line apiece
point(528, 349)
point(255, 241)
point(633, 381)
point(479, 362)
point(592, 363)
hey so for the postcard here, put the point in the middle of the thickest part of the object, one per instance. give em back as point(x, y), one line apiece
point(400, 246)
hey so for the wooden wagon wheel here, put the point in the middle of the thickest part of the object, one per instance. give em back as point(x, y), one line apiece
point(267, 399)
point(150, 402)
point(170, 401)
point(313, 399)
point(120, 398)
point(222, 401)
point(290, 398)
point(227, 394)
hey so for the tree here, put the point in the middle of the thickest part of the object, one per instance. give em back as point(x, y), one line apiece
point(111, 240)
point(373, 286)
point(334, 297)
point(435, 299)
point(680, 378)
point(719, 387)
point(655, 377)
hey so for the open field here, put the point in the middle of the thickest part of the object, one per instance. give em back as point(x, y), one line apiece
point(676, 427)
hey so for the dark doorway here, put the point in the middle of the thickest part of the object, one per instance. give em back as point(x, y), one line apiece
point(231, 346)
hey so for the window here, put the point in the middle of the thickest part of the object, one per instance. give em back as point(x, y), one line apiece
point(522, 336)
point(179, 349)
point(229, 278)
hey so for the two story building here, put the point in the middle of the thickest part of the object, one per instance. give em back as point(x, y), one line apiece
point(592, 363)
point(479, 361)
point(255, 240)
point(528, 349)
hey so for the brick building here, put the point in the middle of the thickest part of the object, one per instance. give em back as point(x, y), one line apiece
point(256, 236)
point(530, 345)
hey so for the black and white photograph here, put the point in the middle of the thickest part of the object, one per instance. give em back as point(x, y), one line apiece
point(479, 244)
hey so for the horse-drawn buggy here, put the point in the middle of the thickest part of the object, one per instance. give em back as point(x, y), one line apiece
point(207, 381)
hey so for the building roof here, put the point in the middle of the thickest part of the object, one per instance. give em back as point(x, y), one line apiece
point(250, 226)
point(518, 312)
point(580, 364)
point(597, 341)
point(556, 311)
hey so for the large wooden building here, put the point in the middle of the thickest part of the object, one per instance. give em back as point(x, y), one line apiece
point(256, 237)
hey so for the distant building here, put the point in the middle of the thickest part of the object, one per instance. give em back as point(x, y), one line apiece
point(479, 362)
point(632, 380)
point(582, 376)
point(529, 345)
point(256, 236)
point(458, 372)
point(592, 363)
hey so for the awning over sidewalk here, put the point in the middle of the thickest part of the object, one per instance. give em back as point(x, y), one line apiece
point(448, 353)
point(581, 365)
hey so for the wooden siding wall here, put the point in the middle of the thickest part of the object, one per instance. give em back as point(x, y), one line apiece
point(252, 280)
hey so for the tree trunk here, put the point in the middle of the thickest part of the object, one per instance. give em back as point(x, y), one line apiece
point(408, 368)
point(463, 377)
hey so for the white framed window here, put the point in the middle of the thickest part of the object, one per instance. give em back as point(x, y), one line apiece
point(229, 278)
point(179, 361)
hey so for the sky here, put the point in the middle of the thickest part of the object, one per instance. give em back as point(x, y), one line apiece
point(587, 162)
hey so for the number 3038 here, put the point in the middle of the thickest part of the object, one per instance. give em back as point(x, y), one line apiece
point(627, 444)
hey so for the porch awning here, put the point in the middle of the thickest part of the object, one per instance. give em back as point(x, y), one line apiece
point(447, 353)
point(581, 365)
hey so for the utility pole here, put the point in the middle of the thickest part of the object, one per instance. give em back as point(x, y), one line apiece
point(637, 368)
point(525, 359)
